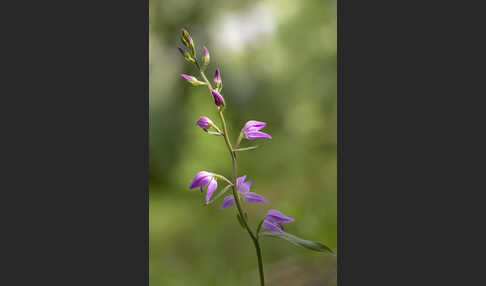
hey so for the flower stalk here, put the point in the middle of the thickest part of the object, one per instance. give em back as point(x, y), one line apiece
point(274, 220)
point(234, 176)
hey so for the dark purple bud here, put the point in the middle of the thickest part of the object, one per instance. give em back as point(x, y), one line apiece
point(217, 78)
point(218, 98)
point(204, 122)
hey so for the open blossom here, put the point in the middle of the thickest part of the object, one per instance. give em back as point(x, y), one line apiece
point(204, 122)
point(251, 130)
point(244, 189)
point(218, 98)
point(274, 220)
point(202, 179)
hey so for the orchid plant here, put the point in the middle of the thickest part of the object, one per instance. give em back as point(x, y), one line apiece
point(274, 220)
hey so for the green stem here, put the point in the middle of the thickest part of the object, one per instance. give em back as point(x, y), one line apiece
point(223, 178)
point(260, 261)
point(234, 175)
point(238, 141)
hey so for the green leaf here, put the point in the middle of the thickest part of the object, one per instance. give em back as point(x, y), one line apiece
point(219, 194)
point(312, 245)
point(246, 148)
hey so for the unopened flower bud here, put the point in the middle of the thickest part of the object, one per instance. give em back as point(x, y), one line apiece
point(206, 57)
point(192, 80)
point(217, 78)
point(218, 98)
point(191, 46)
point(204, 122)
point(187, 41)
point(184, 33)
point(186, 55)
point(184, 42)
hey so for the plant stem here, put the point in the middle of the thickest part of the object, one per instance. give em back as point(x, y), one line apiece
point(234, 176)
point(260, 261)
point(239, 140)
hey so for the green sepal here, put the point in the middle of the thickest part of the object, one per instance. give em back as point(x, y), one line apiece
point(198, 83)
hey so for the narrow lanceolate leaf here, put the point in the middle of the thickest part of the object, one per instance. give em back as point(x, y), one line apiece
point(246, 148)
point(312, 245)
point(219, 194)
point(240, 220)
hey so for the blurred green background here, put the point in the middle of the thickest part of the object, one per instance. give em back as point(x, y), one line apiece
point(278, 65)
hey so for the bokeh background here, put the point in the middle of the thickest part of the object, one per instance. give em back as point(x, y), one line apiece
point(278, 63)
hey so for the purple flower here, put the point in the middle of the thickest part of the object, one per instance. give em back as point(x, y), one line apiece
point(217, 78)
point(202, 179)
point(218, 98)
point(204, 122)
point(274, 220)
point(252, 128)
point(189, 78)
point(244, 189)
